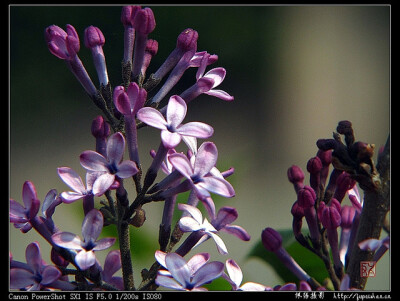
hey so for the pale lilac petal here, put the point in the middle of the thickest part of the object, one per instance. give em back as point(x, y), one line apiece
point(188, 224)
point(133, 94)
point(71, 196)
point(91, 177)
point(206, 158)
point(104, 243)
point(191, 143)
point(234, 272)
point(167, 281)
point(207, 273)
point(217, 74)
point(92, 225)
point(218, 186)
point(50, 274)
point(193, 211)
point(17, 212)
point(160, 257)
point(170, 139)
point(28, 194)
point(220, 243)
point(182, 164)
point(72, 179)
point(122, 103)
point(197, 261)
point(253, 286)
point(196, 129)
point(176, 111)
point(115, 148)
point(202, 193)
point(20, 278)
point(238, 231)
point(371, 244)
point(67, 240)
point(220, 94)
point(226, 215)
point(33, 256)
point(112, 263)
point(126, 169)
point(50, 202)
point(152, 117)
point(102, 184)
point(178, 268)
point(93, 161)
point(85, 259)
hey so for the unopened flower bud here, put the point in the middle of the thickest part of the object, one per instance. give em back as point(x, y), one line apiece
point(330, 217)
point(93, 37)
point(128, 14)
point(306, 197)
point(296, 177)
point(314, 167)
point(347, 216)
point(100, 128)
point(187, 40)
point(271, 239)
point(343, 183)
point(144, 21)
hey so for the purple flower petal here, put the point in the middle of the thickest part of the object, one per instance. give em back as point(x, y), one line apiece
point(85, 259)
point(160, 257)
point(50, 274)
point(206, 158)
point(92, 225)
point(226, 215)
point(252, 286)
point(176, 111)
point(197, 261)
point(234, 272)
point(193, 211)
point(104, 243)
point(17, 212)
point(72, 179)
point(218, 186)
point(207, 273)
point(182, 164)
point(220, 243)
point(70, 196)
point(67, 240)
point(220, 94)
point(33, 256)
point(217, 74)
point(102, 184)
point(152, 117)
point(238, 231)
point(170, 139)
point(93, 161)
point(178, 268)
point(115, 148)
point(20, 278)
point(188, 224)
point(28, 194)
point(112, 263)
point(167, 281)
point(126, 169)
point(196, 129)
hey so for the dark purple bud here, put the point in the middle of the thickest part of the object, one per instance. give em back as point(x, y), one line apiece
point(100, 128)
point(144, 21)
point(348, 213)
point(187, 40)
point(334, 202)
point(296, 210)
point(128, 14)
point(326, 144)
point(271, 239)
point(325, 157)
point(345, 128)
point(314, 165)
point(306, 197)
point(343, 183)
point(330, 217)
point(93, 37)
point(295, 174)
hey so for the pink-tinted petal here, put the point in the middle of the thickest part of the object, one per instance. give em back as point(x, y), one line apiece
point(28, 194)
point(197, 261)
point(178, 268)
point(67, 240)
point(102, 184)
point(50, 274)
point(182, 164)
point(196, 129)
point(220, 94)
point(191, 142)
point(115, 148)
point(33, 256)
point(85, 259)
point(160, 257)
point(217, 74)
point(93, 161)
point(170, 139)
point(121, 101)
point(133, 94)
point(126, 169)
point(71, 196)
point(104, 243)
point(234, 272)
point(193, 211)
point(207, 273)
point(92, 225)
point(238, 231)
point(206, 158)
point(152, 117)
point(91, 177)
point(72, 179)
point(188, 224)
point(371, 244)
point(218, 186)
point(20, 278)
point(167, 281)
point(253, 286)
point(176, 111)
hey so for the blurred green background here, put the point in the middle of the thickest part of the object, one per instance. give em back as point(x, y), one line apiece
point(295, 71)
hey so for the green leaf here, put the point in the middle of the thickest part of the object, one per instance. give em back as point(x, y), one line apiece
point(309, 262)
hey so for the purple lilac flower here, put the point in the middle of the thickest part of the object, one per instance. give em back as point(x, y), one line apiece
point(91, 228)
point(112, 165)
point(198, 173)
point(187, 276)
point(37, 275)
point(195, 222)
point(112, 264)
point(172, 129)
point(235, 277)
point(222, 222)
point(100, 130)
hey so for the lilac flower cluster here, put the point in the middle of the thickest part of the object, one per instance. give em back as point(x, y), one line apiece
point(321, 205)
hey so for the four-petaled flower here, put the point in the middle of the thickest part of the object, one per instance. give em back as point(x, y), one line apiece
point(187, 276)
point(91, 228)
point(199, 174)
point(37, 274)
point(195, 223)
point(172, 129)
point(112, 165)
